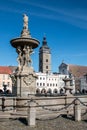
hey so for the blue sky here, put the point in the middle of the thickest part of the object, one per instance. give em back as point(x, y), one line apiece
point(64, 22)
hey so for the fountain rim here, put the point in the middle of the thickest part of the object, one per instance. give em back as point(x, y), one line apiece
point(21, 41)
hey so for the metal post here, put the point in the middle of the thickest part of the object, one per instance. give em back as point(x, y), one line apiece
point(77, 110)
point(31, 114)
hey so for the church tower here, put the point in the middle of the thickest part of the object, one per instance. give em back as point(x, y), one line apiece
point(44, 57)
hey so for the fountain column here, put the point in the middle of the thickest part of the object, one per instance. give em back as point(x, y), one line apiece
point(24, 77)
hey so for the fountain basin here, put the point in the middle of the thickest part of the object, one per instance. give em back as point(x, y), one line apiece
point(24, 41)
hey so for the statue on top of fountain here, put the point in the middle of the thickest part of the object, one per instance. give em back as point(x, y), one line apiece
point(25, 19)
point(25, 32)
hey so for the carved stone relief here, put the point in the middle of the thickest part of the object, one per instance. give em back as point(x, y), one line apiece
point(28, 80)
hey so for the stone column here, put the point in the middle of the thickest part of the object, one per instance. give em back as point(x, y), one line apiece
point(31, 118)
point(77, 110)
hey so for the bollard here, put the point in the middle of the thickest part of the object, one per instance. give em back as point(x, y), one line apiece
point(31, 118)
point(3, 104)
point(14, 104)
point(77, 110)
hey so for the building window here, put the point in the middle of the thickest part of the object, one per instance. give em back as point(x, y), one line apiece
point(50, 84)
point(63, 71)
point(47, 84)
point(43, 78)
point(46, 67)
point(40, 84)
point(37, 84)
point(46, 60)
point(3, 77)
point(8, 84)
point(8, 76)
point(40, 78)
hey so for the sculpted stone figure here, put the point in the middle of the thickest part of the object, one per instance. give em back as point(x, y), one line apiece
point(19, 58)
point(13, 79)
point(25, 18)
point(27, 52)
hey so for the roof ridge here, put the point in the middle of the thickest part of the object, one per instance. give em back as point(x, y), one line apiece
point(76, 65)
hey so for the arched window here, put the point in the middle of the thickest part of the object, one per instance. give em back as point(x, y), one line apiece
point(43, 91)
point(37, 91)
point(55, 91)
point(8, 91)
point(49, 91)
point(61, 90)
point(1, 91)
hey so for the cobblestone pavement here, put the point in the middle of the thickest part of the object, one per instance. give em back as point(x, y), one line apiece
point(60, 123)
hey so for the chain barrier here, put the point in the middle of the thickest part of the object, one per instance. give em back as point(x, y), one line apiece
point(45, 108)
point(84, 113)
point(59, 109)
point(26, 104)
point(82, 102)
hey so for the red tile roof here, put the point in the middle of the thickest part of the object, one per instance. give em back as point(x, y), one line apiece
point(5, 70)
point(77, 70)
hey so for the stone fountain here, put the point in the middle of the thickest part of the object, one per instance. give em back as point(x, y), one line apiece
point(68, 88)
point(24, 78)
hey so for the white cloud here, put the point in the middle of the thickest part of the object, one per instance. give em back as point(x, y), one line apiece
point(75, 16)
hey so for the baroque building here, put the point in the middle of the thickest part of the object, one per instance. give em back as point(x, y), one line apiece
point(44, 57)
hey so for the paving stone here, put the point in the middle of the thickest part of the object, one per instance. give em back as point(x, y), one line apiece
point(61, 123)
